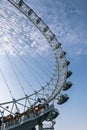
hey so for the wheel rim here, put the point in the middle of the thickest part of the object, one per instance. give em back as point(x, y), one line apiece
point(53, 87)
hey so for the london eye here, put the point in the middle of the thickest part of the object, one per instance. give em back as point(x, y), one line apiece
point(33, 69)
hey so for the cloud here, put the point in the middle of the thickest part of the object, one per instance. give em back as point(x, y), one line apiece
point(62, 16)
point(18, 35)
point(66, 19)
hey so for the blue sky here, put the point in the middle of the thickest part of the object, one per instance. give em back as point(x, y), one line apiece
point(68, 20)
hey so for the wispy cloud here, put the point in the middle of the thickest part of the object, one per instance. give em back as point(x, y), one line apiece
point(62, 16)
point(66, 19)
point(18, 34)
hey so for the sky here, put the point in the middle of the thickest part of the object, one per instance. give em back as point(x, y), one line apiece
point(68, 21)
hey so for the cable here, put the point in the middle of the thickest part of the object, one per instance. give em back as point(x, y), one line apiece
point(6, 83)
point(14, 70)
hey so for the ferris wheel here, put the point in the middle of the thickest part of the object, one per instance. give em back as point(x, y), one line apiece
point(42, 67)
